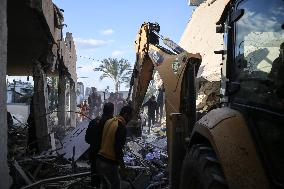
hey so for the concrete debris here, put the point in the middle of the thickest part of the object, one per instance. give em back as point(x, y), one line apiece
point(37, 170)
point(67, 181)
point(28, 168)
point(146, 157)
point(66, 167)
point(17, 142)
point(200, 37)
point(208, 96)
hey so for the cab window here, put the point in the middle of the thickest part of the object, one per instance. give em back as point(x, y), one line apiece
point(258, 53)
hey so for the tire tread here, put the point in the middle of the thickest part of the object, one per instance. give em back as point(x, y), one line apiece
point(201, 163)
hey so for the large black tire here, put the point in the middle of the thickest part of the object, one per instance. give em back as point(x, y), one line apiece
point(201, 170)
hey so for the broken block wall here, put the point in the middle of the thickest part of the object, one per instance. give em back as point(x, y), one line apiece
point(200, 37)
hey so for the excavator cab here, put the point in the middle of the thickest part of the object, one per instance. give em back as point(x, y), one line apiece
point(255, 70)
point(242, 140)
point(256, 54)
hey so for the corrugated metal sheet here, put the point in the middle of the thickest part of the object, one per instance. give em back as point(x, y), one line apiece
point(76, 139)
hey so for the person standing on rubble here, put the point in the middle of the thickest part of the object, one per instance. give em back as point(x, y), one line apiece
point(94, 136)
point(160, 102)
point(120, 102)
point(110, 156)
point(84, 109)
point(152, 110)
point(95, 103)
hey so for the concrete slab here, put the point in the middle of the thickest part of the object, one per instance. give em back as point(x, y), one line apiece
point(75, 139)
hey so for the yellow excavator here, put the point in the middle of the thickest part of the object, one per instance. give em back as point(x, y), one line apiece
point(238, 142)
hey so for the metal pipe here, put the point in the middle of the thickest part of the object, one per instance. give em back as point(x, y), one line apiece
point(38, 183)
point(159, 35)
point(170, 43)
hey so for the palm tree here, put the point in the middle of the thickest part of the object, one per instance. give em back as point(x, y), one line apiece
point(118, 70)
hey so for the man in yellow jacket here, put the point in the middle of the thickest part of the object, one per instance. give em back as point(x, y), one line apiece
point(110, 156)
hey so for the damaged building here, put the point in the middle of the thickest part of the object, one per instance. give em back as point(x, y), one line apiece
point(200, 36)
point(220, 91)
point(33, 44)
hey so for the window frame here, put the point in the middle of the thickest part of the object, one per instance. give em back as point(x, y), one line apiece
point(232, 73)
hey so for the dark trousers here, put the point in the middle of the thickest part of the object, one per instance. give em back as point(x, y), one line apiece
point(110, 172)
point(95, 178)
point(151, 121)
point(161, 111)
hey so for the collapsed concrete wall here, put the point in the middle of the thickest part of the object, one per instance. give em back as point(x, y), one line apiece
point(4, 171)
point(38, 50)
point(70, 53)
point(200, 37)
point(67, 74)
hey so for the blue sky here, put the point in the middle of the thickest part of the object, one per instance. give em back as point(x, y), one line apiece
point(108, 28)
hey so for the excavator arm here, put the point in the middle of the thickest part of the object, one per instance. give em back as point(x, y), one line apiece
point(149, 56)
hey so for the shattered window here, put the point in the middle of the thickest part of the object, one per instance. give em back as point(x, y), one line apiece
point(259, 52)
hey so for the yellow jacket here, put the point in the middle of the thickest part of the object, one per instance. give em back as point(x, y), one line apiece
point(108, 139)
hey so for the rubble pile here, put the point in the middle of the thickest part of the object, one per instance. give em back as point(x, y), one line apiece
point(146, 158)
point(66, 166)
point(50, 169)
point(17, 141)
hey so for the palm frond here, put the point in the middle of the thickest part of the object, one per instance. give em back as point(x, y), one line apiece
point(117, 70)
